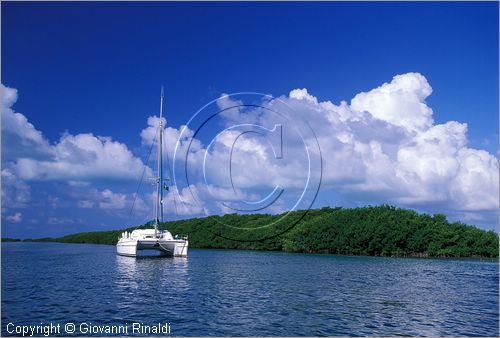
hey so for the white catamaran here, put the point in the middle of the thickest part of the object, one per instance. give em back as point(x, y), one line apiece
point(154, 239)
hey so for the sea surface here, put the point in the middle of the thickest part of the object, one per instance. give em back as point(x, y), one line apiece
point(246, 293)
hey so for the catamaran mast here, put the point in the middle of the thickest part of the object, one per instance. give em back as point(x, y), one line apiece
point(159, 201)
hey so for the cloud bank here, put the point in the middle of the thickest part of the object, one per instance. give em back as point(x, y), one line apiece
point(79, 162)
point(382, 146)
point(388, 145)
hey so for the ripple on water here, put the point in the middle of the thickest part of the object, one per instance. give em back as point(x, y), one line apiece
point(218, 292)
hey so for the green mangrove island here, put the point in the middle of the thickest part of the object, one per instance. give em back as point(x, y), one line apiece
point(372, 231)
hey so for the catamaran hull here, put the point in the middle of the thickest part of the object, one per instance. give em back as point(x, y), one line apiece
point(173, 248)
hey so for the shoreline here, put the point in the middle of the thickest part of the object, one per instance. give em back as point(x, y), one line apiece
point(372, 231)
point(324, 254)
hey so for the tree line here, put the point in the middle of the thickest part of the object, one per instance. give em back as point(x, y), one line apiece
point(374, 231)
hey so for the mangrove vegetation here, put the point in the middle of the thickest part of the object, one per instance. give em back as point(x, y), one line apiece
point(374, 231)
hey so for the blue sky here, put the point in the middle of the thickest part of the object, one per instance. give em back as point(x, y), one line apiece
point(96, 68)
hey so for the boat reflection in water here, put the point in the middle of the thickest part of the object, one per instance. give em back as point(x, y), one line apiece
point(153, 272)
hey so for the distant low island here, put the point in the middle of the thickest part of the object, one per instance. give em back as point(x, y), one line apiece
point(371, 231)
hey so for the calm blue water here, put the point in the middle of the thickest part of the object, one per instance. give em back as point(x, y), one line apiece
point(216, 292)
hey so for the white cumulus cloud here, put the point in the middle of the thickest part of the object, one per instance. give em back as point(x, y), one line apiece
point(82, 157)
point(382, 147)
point(386, 143)
point(15, 218)
point(80, 161)
point(400, 102)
